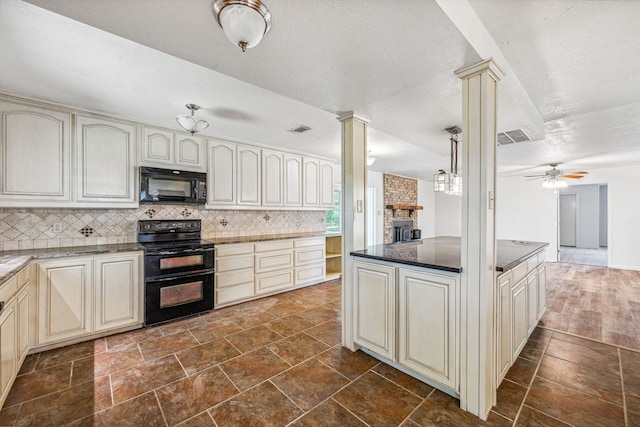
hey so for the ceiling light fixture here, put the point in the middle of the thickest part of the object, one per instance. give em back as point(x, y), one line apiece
point(450, 182)
point(370, 160)
point(189, 123)
point(244, 22)
point(554, 179)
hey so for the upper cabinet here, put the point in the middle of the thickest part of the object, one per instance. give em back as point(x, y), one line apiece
point(165, 149)
point(36, 155)
point(242, 176)
point(105, 166)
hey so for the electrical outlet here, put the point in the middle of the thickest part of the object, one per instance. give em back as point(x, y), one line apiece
point(57, 227)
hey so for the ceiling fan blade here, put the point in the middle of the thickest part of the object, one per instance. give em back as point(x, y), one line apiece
point(534, 176)
point(572, 176)
point(578, 173)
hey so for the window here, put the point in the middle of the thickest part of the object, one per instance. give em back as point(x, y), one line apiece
point(333, 216)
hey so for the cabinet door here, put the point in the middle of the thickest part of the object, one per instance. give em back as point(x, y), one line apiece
point(532, 300)
point(190, 152)
point(292, 180)
point(23, 305)
point(272, 178)
point(374, 308)
point(157, 148)
point(248, 175)
point(8, 349)
point(311, 182)
point(105, 161)
point(64, 300)
point(117, 287)
point(221, 177)
point(326, 185)
point(503, 323)
point(427, 325)
point(36, 153)
point(542, 290)
point(519, 325)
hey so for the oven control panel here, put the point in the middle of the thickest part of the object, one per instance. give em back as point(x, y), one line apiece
point(168, 226)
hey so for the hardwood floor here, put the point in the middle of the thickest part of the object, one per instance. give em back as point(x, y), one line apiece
point(598, 303)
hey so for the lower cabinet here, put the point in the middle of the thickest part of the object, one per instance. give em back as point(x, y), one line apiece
point(246, 271)
point(428, 299)
point(409, 317)
point(521, 299)
point(375, 307)
point(79, 297)
point(8, 347)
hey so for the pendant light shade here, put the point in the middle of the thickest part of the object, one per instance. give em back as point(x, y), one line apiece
point(189, 123)
point(244, 22)
point(450, 182)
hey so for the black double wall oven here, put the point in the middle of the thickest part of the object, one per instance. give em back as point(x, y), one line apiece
point(178, 269)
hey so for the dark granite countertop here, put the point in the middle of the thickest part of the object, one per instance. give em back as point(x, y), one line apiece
point(13, 261)
point(443, 253)
point(261, 237)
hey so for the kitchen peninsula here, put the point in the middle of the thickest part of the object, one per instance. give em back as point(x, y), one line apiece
point(406, 305)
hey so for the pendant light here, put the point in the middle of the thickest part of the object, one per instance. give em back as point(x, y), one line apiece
point(244, 22)
point(189, 123)
point(450, 182)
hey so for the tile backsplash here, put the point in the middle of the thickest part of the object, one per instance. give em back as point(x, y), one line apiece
point(34, 228)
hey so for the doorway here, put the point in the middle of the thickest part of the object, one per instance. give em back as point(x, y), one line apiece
point(582, 224)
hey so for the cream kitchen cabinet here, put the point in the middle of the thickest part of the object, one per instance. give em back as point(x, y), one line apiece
point(532, 300)
point(234, 276)
point(105, 163)
point(309, 260)
point(36, 155)
point(428, 324)
point(272, 178)
point(117, 291)
point(375, 308)
point(8, 348)
point(326, 185)
point(221, 177)
point(249, 176)
point(166, 149)
point(292, 180)
point(15, 327)
point(311, 182)
point(81, 296)
point(542, 289)
point(503, 327)
point(273, 266)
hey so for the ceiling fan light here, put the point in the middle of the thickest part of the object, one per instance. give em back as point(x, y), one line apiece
point(244, 22)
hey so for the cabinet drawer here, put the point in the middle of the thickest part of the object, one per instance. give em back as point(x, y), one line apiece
point(234, 263)
point(274, 245)
point(519, 271)
point(274, 261)
point(23, 277)
point(542, 257)
point(301, 243)
point(8, 289)
point(532, 263)
point(310, 255)
point(234, 293)
point(274, 281)
point(234, 278)
point(229, 250)
point(309, 274)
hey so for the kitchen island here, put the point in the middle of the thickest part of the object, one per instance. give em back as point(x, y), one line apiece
point(406, 305)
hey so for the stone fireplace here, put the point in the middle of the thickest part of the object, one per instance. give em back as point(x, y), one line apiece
point(399, 191)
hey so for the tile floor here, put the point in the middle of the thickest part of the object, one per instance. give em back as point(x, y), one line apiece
point(278, 361)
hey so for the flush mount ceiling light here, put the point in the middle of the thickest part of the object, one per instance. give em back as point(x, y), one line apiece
point(244, 22)
point(189, 123)
point(370, 160)
point(450, 182)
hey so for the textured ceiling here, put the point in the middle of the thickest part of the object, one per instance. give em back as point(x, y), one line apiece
point(392, 61)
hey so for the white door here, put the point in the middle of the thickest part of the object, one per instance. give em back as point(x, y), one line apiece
point(292, 180)
point(221, 179)
point(311, 179)
point(190, 153)
point(8, 349)
point(117, 291)
point(326, 184)
point(272, 178)
point(568, 219)
point(157, 148)
point(249, 178)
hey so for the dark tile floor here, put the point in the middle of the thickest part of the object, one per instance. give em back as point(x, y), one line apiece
point(278, 361)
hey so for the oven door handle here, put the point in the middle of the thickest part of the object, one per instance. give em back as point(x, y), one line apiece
point(183, 251)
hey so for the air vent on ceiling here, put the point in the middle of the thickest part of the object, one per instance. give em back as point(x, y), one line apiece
point(300, 129)
point(514, 136)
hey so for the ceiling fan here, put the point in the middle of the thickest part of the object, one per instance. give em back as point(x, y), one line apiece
point(554, 178)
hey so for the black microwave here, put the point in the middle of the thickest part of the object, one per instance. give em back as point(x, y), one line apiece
point(172, 186)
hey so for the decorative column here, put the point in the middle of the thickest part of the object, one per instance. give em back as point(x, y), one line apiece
point(354, 221)
point(477, 343)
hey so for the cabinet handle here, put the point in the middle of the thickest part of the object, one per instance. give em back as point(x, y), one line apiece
point(1, 306)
